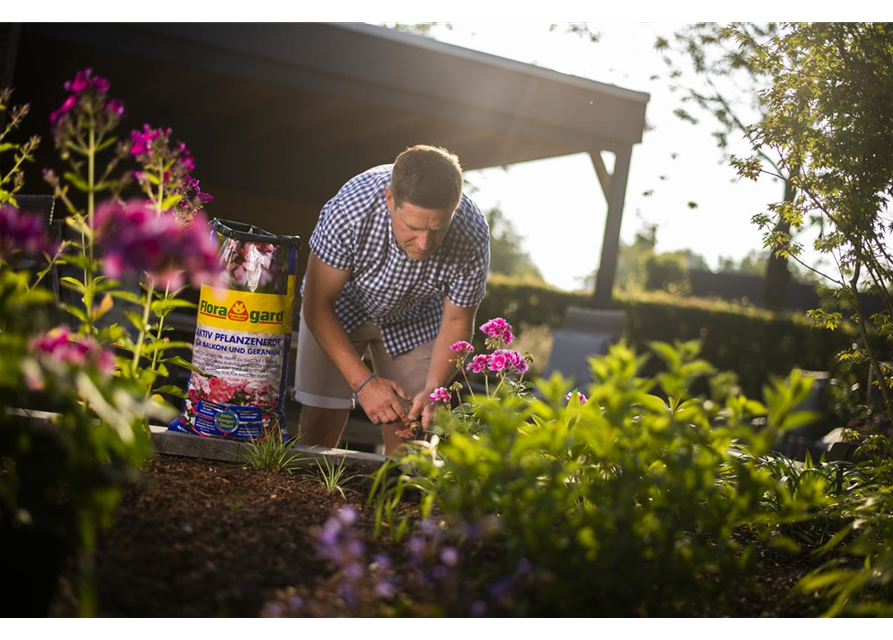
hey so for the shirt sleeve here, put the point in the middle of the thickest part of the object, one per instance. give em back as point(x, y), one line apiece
point(333, 240)
point(467, 289)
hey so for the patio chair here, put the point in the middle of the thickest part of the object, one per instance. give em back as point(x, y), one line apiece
point(585, 333)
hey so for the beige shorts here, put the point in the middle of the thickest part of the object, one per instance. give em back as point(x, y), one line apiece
point(318, 383)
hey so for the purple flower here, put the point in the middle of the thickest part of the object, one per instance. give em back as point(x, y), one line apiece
point(354, 571)
point(416, 547)
point(441, 394)
point(580, 397)
point(21, 232)
point(100, 84)
point(449, 556)
point(115, 107)
point(523, 567)
point(346, 515)
point(141, 141)
point(81, 81)
point(381, 562)
point(429, 527)
point(385, 589)
point(67, 106)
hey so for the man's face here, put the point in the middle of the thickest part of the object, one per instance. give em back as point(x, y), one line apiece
point(418, 231)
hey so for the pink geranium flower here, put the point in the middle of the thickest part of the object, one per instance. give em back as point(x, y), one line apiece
point(441, 394)
point(497, 361)
point(462, 348)
point(478, 363)
point(498, 329)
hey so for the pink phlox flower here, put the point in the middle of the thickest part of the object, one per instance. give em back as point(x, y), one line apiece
point(81, 82)
point(141, 141)
point(67, 106)
point(115, 107)
point(580, 397)
point(134, 240)
point(21, 232)
point(60, 346)
point(441, 394)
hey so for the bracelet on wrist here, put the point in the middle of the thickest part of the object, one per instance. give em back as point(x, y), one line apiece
point(365, 382)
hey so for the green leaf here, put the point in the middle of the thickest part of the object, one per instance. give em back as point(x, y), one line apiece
point(653, 403)
point(161, 345)
point(129, 296)
point(6, 146)
point(136, 320)
point(76, 312)
point(73, 283)
point(180, 362)
point(170, 201)
point(171, 390)
point(105, 144)
point(76, 181)
point(163, 307)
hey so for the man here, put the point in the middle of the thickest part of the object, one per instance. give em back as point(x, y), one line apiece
point(398, 267)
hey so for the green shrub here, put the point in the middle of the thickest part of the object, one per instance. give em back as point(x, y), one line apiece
point(667, 272)
point(623, 505)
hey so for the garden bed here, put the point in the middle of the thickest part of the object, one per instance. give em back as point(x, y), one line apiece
point(206, 538)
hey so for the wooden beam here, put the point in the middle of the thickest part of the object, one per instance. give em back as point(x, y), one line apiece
point(602, 171)
point(604, 282)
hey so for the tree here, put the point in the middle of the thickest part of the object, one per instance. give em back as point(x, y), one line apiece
point(829, 119)
point(507, 255)
point(718, 58)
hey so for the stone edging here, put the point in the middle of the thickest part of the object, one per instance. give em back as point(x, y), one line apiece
point(172, 443)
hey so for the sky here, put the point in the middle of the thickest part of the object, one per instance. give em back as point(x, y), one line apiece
point(565, 191)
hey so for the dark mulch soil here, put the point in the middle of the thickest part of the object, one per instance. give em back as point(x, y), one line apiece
point(200, 538)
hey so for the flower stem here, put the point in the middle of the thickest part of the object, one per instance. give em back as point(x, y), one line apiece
point(139, 342)
point(467, 383)
point(89, 285)
point(158, 337)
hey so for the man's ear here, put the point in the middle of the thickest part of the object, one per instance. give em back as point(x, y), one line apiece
point(389, 199)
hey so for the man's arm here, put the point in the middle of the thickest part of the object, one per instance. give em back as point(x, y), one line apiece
point(324, 285)
point(380, 397)
point(457, 324)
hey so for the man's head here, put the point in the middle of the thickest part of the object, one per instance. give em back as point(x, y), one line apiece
point(426, 186)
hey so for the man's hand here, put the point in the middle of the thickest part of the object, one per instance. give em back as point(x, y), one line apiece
point(381, 400)
point(421, 410)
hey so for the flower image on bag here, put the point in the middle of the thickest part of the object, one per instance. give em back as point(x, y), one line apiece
point(242, 337)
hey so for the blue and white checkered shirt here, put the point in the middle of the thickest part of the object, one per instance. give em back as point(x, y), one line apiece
point(404, 297)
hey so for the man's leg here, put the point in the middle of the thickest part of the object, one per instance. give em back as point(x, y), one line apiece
point(325, 397)
point(322, 427)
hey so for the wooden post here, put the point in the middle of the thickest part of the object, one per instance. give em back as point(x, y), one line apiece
point(615, 195)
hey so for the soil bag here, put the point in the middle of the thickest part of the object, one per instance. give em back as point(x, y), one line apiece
point(242, 337)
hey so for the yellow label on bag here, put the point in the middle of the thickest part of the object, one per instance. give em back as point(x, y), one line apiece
point(246, 311)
